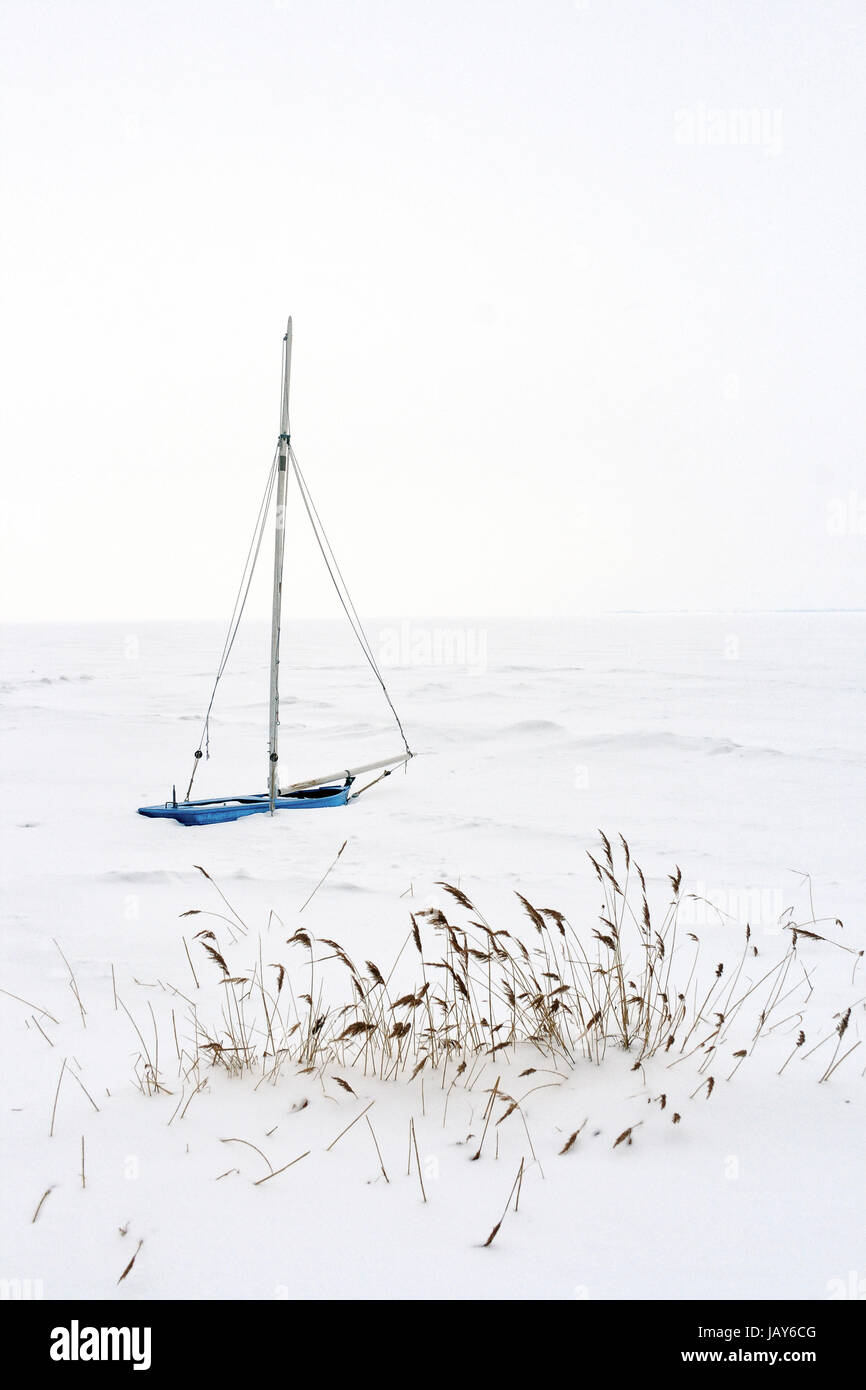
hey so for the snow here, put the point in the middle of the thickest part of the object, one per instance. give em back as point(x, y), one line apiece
point(731, 745)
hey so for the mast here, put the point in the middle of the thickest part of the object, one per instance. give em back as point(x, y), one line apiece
point(279, 551)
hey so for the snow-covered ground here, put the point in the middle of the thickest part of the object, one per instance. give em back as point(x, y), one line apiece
point(730, 745)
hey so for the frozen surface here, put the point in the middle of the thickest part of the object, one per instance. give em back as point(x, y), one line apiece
point(730, 745)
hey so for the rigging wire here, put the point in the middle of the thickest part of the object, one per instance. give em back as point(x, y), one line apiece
point(237, 613)
point(343, 594)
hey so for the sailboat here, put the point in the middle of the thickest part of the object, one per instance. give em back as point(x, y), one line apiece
point(335, 788)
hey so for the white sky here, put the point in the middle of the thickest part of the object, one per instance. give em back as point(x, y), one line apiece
point(566, 338)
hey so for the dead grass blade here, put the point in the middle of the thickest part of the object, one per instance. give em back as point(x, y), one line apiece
point(349, 1126)
point(131, 1263)
point(39, 1204)
point(515, 1185)
point(276, 1172)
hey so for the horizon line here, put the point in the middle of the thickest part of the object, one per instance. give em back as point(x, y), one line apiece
point(442, 617)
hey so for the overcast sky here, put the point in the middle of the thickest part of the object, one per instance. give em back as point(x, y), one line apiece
point(578, 294)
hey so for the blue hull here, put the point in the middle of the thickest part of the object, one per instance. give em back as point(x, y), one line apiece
point(234, 807)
